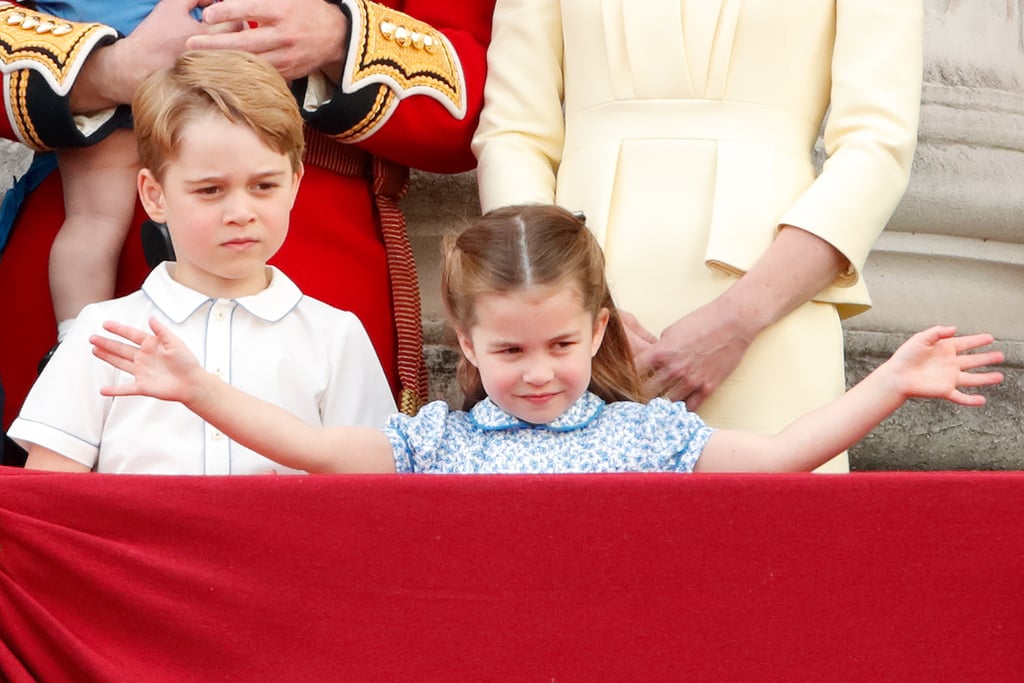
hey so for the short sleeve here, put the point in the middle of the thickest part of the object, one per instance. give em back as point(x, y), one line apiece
point(678, 435)
point(414, 440)
point(358, 391)
point(64, 411)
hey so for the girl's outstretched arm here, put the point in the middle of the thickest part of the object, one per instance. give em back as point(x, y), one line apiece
point(931, 364)
point(164, 368)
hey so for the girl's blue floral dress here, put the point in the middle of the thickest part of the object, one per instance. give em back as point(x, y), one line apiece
point(591, 436)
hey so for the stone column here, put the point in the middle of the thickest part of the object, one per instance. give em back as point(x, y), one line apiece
point(953, 253)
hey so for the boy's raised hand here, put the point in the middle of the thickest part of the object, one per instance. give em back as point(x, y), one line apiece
point(161, 364)
point(935, 363)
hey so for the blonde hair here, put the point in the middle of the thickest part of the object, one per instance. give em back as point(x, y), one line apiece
point(518, 247)
point(243, 88)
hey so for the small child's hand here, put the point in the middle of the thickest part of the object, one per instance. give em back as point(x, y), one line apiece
point(935, 364)
point(161, 364)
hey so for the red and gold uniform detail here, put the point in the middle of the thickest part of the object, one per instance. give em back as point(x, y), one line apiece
point(33, 46)
point(403, 56)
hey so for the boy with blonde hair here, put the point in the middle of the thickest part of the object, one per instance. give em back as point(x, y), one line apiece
point(220, 142)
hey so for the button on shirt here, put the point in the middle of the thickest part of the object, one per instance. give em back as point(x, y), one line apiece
point(289, 349)
point(591, 436)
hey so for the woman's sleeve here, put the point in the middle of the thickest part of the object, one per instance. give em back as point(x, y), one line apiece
point(412, 84)
point(871, 131)
point(518, 144)
point(40, 58)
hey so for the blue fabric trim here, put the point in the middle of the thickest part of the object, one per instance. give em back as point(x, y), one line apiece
point(488, 417)
point(42, 165)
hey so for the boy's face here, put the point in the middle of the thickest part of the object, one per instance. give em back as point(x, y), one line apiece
point(225, 198)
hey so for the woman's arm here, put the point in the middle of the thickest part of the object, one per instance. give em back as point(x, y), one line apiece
point(164, 368)
point(825, 236)
point(931, 364)
point(518, 143)
point(698, 352)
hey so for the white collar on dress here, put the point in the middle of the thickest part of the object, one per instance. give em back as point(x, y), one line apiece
point(178, 302)
point(487, 416)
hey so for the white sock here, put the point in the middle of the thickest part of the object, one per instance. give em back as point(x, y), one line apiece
point(63, 327)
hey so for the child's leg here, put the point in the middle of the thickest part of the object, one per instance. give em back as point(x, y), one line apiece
point(99, 200)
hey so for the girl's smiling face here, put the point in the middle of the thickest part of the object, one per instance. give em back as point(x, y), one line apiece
point(534, 349)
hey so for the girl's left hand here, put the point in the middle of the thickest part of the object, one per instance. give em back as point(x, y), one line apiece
point(935, 364)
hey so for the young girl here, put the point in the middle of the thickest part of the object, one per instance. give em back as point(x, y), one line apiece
point(548, 377)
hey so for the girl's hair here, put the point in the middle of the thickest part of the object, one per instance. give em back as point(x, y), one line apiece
point(518, 247)
point(241, 87)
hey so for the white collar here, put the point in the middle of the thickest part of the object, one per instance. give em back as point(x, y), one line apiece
point(487, 416)
point(178, 302)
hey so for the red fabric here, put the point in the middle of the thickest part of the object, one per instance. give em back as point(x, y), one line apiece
point(441, 142)
point(866, 577)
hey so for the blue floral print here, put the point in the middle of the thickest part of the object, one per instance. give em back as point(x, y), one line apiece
point(591, 436)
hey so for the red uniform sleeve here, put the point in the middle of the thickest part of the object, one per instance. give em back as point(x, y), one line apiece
point(412, 88)
point(40, 58)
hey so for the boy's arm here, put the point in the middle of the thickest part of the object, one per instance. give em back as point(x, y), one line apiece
point(41, 458)
point(931, 364)
point(164, 368)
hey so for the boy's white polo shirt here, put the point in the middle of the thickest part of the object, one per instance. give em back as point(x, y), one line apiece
point(289, 349)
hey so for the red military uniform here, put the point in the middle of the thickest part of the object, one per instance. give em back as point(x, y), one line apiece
point(410, 96)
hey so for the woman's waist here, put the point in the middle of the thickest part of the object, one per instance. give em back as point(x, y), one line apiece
point(688, 119)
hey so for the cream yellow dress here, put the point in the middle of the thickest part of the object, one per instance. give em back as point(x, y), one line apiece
point(684, 130)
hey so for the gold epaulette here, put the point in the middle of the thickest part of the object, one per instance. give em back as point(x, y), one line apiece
point(403, 54)
point(35, 45)
point(52, 47)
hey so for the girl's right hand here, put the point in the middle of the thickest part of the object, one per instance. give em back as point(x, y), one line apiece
point(163, 367)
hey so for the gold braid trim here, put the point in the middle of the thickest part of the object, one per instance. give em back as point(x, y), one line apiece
point(50, 46)
point(390, 182)
point(36, 43)
point(382, 107)
point(17, 85)
point(404, 54)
